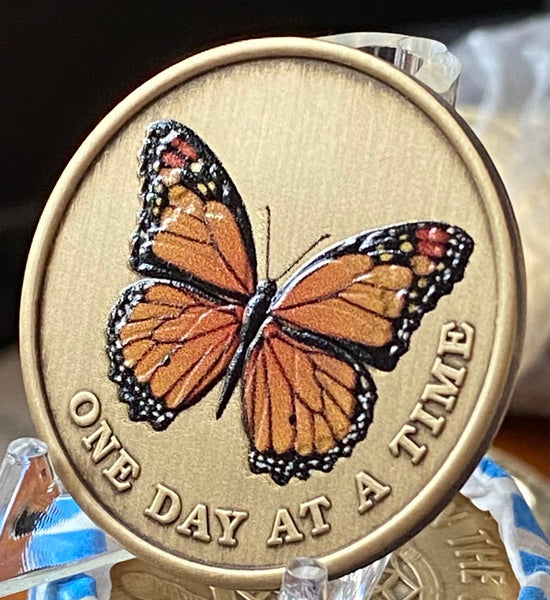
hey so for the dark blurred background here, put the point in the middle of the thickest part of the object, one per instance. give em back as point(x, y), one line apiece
point(67, 63)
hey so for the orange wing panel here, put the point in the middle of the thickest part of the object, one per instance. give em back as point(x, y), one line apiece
point(303, 407)
point(177, 342)
point(288, 385)
point(203, 239)
point(348, 298)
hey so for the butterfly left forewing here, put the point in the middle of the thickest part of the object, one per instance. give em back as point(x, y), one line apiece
point(369, 293)
point(304, 406)
point(193, 225)
point(172, 336)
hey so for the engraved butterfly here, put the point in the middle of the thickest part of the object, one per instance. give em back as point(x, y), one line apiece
point(301, 352)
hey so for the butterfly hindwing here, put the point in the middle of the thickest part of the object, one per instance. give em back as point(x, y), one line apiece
point(304, 406)
point(168, 345)
point(193, 225)
point(369, 293)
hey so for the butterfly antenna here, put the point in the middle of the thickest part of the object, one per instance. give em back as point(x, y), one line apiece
point(307, 251)
point(267, 240)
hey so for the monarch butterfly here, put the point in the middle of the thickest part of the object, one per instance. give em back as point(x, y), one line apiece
point(301, 352)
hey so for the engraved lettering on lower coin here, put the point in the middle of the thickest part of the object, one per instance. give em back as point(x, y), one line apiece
point(136, 580)
point(245, 595)
point(407, 576)
point(458, 556)
point(479, 558)
point(166, 508)
point(452, 515)
point(439, 395)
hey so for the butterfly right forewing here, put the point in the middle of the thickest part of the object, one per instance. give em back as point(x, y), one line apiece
point(308, 397)
point(369, 293)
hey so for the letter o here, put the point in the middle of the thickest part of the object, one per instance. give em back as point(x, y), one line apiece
point(91, 415)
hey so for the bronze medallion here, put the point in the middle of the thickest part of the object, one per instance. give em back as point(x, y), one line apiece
point(288, 333)
point(459, 555)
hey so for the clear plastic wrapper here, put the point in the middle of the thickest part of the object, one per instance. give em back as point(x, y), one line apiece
point(505, 97)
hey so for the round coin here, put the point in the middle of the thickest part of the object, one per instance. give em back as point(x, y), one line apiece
point(292, 332)
point(459, 555)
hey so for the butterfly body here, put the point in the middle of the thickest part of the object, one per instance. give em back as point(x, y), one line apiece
point(302, 352)
point(255, 314)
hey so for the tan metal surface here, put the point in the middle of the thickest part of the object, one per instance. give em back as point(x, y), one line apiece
point(333, 140)
point(459, 555)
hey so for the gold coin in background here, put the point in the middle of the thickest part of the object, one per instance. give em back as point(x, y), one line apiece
point(318, 252)
point(459, 555)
